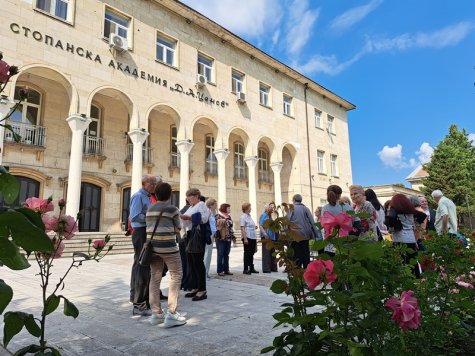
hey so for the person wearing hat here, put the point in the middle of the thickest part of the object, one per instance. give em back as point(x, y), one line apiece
point(301, 221)
point(445, 215)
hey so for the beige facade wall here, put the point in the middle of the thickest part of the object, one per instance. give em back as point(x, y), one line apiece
point(70, 80)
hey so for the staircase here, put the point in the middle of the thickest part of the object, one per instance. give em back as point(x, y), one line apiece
point(79, 243)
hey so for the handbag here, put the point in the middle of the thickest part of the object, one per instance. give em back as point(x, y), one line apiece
point(145, 256)
point(194, 243)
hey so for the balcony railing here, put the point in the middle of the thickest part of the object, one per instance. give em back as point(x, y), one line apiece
point(175, 159)
point(146, 154)
point(211, 167)
point(265, 176)
point(240, 172)
point(32, 135)
point(93, 146)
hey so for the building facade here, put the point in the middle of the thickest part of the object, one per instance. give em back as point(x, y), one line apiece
point(123, 88)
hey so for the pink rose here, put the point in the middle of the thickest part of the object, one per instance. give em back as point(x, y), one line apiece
point(341, 220)
point(51, 222)
point(59, 248)
point(98, 244)
point(318, 272)
point(39, 205)
point(405, 310)
point(67, 226)
point(464, 284)
point(4, 72)
point(61, 203)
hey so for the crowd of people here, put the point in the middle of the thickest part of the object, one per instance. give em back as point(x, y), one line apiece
point(182, 240)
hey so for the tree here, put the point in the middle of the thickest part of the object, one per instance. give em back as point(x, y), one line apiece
point(452, 169)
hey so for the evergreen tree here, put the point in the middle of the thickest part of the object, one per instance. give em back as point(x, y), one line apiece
point(452, 170)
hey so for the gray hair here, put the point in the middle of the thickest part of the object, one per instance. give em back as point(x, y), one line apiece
point(297, 198)
point(415, 201)
point(147, 178)
point(437, 193)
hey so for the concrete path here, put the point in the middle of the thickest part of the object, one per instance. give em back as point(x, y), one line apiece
point(236, 319)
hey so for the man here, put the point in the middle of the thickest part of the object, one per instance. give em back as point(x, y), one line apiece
point(301, 221)
point(269, 263)
point(446, 214)
point(140, 276)
point(429, 212)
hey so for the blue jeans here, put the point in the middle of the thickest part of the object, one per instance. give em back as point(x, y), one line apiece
point(223, 247)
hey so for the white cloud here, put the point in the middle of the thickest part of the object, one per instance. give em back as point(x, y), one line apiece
point(299, 26)
point(325, 64)
point(425, 153)
point(472, 137)
point(447, 36)
point(393, 157)
point(354, 15)
point(249, 18)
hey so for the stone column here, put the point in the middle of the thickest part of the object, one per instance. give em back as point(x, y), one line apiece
point(221, 156)
point(78, 124)
point(251, 164)
point(138, 137)
point(277, 168)
point(5, 105)
point(184, 146)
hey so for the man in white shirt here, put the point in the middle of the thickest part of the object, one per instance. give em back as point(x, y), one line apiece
point(446, 214)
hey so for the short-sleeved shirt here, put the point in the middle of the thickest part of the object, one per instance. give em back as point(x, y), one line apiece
point(250, 226)
point(446, 207)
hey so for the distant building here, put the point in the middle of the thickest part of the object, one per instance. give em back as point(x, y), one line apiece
point(387, 191)
point(416, 176)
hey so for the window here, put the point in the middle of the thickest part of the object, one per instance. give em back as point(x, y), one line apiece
point(125, 208)
point(93, 144)
point(321, 162)
point(333, 165)
point(205, 67)
point(174, 153)
point(287, 105)
point(237, 82)
point(25, 120)
point(318, 118)
point(211, 161)
point(89, 207)
point(28, 188)
point(116, 23)
point(263, 165)
point(57, 8)
point(331, 124)
point(264, 91)
point(239, 164)
point(166, 48)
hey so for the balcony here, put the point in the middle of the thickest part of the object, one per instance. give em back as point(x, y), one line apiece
point(264, 176)
point(146, 154)
point(30, 135)
point(93, 146)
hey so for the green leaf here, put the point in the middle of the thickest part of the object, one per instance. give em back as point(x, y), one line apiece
point(82, 255)
point(31, 349)
point(31, 326)
point(52, 303)
point(9, 187)
point(267, 349)
point(69, 308)
point(24, 233)
point(279, 286)
point(33, 216)
point(368, 251)
point(13, 323)
point(6, 295)
point(10, 255)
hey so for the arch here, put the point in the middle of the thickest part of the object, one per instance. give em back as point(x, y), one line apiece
point(51, 73)
point(207, 121)
point(165, 108)
point(274, 155)
point(248, 147)
point(130, 105)
point(290, 171)
point(41, 178)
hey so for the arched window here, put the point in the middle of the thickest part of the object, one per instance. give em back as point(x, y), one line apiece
point(239, 164)
point(211, 161)
point(174, 153)
point(93, 143)
point(263, 165)
point(28, 188)
point(25, 121)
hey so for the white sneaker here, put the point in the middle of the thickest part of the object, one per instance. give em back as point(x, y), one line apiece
point(157, 319)
point(174, 320)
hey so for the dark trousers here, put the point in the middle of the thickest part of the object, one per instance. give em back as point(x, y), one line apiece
point(140, 276)
point(223, 247)
point(186, 279)
point(249, 251)
point(197, 270)
point(269, 263)
point(301, 253)
point(410, 255)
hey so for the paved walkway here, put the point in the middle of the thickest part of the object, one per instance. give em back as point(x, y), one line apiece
point(236, 319)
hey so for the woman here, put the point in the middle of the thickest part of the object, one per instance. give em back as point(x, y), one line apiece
point(420, 222)
point(196, 214)
point(163, 223)
point(334, 207)
point(400, 221)
point(248, 233)
point(381, 229)
point(269, 263)
point(211, 204)
point(361, 205)
point(224, 236)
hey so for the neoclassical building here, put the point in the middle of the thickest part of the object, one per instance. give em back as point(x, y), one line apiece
point(122, 88)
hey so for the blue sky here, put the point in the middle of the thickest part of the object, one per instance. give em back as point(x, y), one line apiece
point(408, 66)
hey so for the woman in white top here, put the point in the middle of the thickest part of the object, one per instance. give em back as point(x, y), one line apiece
point(373, 199)
point(195, 260)
point(248, 233)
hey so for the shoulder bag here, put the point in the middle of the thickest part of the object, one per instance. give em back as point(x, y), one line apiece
point(194, 240)
point(145, 256)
